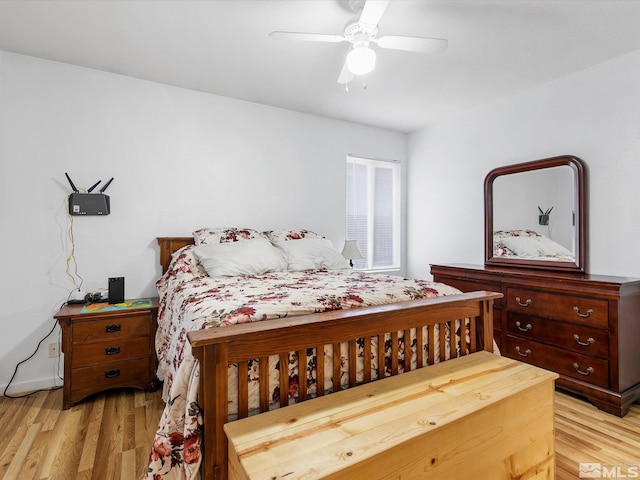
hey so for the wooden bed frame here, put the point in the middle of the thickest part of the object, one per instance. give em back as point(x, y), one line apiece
point(216, 348)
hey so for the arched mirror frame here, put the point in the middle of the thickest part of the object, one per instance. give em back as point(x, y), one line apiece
point(580, 208)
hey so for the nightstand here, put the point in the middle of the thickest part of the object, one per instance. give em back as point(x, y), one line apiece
point(107, 349)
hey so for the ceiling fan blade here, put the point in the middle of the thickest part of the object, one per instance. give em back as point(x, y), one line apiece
point(307, 37)
point(372, 11)
point(345, 75)
point(413, 44)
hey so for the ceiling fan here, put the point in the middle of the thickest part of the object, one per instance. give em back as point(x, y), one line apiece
point(361, 32)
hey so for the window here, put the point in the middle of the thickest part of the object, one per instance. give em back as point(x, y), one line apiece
point(373, 211)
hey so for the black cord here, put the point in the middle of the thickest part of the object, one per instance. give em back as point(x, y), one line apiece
point(77, 287)
point(15, 371)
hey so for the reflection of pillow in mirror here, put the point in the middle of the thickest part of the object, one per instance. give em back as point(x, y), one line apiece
point(248, 257)
point(499, 250)
point(525, 247)
point(535, 247)
point(500, 234)
point(554, 248)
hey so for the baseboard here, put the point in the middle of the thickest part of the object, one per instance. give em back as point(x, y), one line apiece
point(21, 388)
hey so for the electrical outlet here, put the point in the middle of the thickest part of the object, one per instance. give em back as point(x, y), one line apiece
point(54, 350)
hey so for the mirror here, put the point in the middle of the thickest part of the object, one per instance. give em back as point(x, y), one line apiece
point(535, 215)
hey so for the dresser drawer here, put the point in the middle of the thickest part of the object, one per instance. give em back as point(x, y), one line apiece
point(574, 365)
point(97, 330)
point(98, 378)
point(115, 350)
point(577, 338)
point(561, 307)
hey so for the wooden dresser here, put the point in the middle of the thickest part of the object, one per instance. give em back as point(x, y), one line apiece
point(107, 349)
point(584, 327)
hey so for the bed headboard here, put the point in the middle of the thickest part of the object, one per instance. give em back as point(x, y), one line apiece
point(168, 245)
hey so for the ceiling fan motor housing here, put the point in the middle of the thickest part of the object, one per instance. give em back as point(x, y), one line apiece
point(356, 32)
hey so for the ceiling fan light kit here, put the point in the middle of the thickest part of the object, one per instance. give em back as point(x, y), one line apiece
point(362, 31)
point(361, 60)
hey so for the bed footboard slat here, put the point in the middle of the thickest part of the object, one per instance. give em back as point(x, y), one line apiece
point(442, 335)
point(419, 348)
point(284, 379)
point(264, 383)
point(431, 344)
point(380, 357)
point(367, 359)
point(302, 374)
point(472, 329)
point(394, 352)
point(353, 357)
point(461, 343)
point(337, 363)
point(243, 389)
point(407, 350)
point(320, 370)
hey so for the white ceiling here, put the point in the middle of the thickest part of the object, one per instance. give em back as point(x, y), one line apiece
point(496, 49)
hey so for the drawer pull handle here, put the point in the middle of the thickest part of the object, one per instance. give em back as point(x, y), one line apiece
point(112, 350)
point(583, 315)
point(525, 304)
point(115, 327)
point(588, 372)
point(526, 353)
point(589, 341)
point(112, 373)
point(526, 328)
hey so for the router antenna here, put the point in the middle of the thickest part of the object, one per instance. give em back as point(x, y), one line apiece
point(106, 185)
point(73, 187)
point(94, 186)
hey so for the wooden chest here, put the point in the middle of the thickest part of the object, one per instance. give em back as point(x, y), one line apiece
point(481, 413)
point(584, 327)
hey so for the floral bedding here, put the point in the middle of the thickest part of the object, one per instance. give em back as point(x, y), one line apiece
point(190, 299)
point(530, 245)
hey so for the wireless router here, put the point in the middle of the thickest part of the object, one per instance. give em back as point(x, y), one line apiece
point(89, 203)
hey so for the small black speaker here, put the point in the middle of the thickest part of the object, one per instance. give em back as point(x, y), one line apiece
point(116, 290)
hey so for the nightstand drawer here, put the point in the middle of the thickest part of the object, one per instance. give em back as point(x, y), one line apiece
point(561, 307)
point(582, 367)
point(134, 372)
point(577, 338)
point(105, 329)
point(115, 350)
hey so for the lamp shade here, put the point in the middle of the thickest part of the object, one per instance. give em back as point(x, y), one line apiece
point(361, 59)
point(350, 250)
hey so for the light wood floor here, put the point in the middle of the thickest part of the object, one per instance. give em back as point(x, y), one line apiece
point(108, 437)
point(586, 434)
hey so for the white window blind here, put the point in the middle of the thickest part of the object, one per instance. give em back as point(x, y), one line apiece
point(373, 211)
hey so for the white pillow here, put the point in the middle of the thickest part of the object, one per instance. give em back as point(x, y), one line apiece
point(526, 247)
point(554, 248)
point(248, 257)
point(535, 247)
point(312, 254)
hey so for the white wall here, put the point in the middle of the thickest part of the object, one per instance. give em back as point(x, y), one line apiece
point(181, 160)
point(593, 114)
